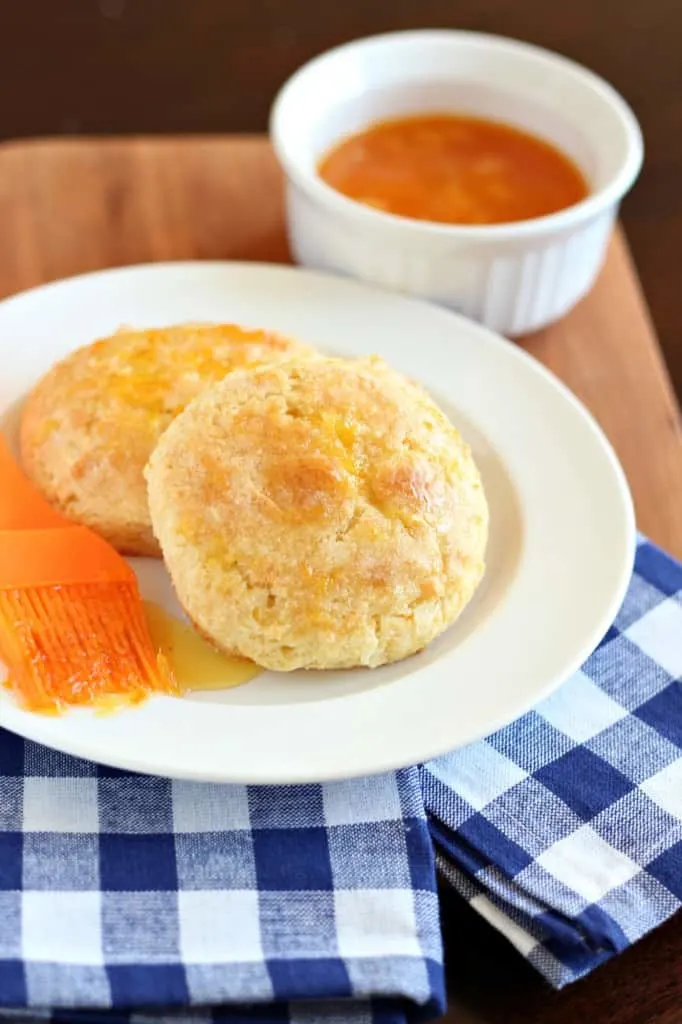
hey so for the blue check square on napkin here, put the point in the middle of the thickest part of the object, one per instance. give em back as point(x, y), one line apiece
point(142, 899)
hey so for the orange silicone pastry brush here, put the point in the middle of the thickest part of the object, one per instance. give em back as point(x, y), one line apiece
point(72, 624)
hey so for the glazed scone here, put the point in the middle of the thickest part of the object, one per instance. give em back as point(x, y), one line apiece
point(90, 425)
point(318, 515)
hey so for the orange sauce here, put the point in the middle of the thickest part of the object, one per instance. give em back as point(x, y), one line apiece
point(453, 169)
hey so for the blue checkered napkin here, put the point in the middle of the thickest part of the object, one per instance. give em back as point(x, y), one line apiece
point(311, 1012)
point(119, 890)
point(345, 1011)
point(564, 829)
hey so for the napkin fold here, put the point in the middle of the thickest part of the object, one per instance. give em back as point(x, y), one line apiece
point(564, 829)
point(145, 900)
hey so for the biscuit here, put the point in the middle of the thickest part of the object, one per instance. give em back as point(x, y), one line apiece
point(318, 515)
point(90, 425)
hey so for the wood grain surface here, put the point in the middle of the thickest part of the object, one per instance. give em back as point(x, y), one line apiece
point(73, 206)
point(109, 66)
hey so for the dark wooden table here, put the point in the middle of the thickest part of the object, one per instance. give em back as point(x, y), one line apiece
point(88, 66)
point(68, 207)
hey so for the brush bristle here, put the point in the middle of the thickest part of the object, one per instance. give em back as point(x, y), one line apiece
point(79, 645)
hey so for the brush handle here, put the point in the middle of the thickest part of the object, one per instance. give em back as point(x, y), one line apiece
point(22, 506)
point(39, 547)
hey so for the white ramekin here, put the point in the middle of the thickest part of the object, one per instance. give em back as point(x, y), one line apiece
point(512, 277)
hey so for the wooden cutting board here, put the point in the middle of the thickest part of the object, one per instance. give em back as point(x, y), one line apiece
point(69, 206)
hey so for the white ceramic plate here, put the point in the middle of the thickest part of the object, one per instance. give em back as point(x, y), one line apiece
point(559, 558)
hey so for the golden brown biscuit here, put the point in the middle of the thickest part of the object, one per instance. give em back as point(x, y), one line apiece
point(90, 425)
point(318, 515)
